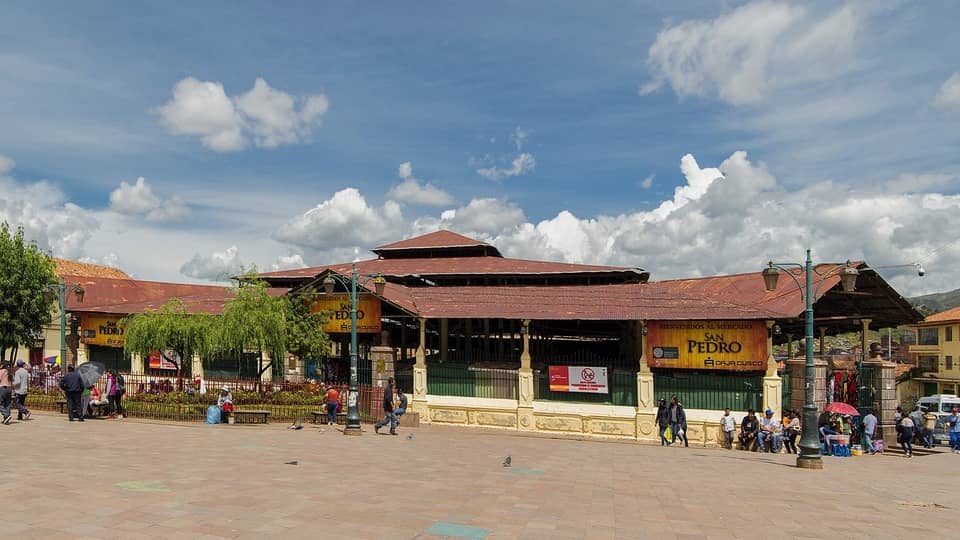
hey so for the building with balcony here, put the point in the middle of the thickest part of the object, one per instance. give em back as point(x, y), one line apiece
point(938, 357)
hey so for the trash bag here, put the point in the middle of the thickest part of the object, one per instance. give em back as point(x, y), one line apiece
point(668, 434)
point(213, 414)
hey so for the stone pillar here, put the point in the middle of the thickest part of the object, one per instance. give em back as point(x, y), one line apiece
point(136, 363)
point(789, 347)
point(419, 402)
point(444, 339)
point(646, 404)
point(525, 393)
point(382, 360)
point(864, 344)
point(772, 383)
point(823, 341)
point(798, 383)
point(83, 354)
point(888, 402)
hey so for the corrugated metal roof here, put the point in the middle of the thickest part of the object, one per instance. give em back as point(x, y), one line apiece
point(447, 266)
point(123, 296)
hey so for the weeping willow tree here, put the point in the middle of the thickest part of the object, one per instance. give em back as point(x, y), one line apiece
point(253, 320)
point(170, 327)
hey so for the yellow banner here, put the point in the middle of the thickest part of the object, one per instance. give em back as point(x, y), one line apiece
point(338, 306)
point(101, 330)
point(707, 345)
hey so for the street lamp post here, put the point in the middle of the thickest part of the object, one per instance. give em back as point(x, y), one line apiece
point(353, 408)
point(809, 457)
point(61, 290)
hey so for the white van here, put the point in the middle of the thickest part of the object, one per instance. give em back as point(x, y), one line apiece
point(941, 405)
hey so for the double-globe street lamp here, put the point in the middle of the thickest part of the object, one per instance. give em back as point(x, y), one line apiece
point(809, 457)
point(60, 289)
point(353, 409)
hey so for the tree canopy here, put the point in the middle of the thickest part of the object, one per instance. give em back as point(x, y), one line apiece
point(170, 327)
point(25, 274)
point(305, 338)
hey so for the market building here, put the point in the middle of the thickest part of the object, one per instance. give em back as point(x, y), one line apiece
point(485, 340)
point(938, 357)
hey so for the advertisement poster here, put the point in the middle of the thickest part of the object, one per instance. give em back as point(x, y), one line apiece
point(101, 330)
point(338, 305)
point(167, 359)
point(591, 380)
point(707, 345)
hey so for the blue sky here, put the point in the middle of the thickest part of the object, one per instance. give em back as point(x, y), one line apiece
point(551, 129)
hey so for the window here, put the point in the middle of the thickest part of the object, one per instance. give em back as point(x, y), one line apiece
point(949, 362)
point(928, 363)
point(929, 336)
point(948, 331)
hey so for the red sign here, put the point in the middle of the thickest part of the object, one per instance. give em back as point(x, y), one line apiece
point(164, 360)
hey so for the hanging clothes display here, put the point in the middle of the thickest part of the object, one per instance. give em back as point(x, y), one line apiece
point(852, 389)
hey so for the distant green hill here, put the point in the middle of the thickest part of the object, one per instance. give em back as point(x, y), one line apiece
point(934, 303)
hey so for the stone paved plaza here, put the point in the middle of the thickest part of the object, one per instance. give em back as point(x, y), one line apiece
point(131, 479)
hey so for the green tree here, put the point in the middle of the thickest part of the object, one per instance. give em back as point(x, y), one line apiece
point(25, 273)
point(253, 320)
point(170, 327)
point(305, 336)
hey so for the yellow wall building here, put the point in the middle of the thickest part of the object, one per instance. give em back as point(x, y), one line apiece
point(938, 356)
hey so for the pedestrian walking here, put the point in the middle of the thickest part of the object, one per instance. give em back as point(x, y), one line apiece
point(388, 416)
point(21, 385)
point(333, 404)
point(678, 419)
point(663, 420)
point(792, 432)
point(72, 386)
point(952, 424)
point(929, 424)
point(6, 392)
point(906, 435)
point(869, 430)
point(729, 425)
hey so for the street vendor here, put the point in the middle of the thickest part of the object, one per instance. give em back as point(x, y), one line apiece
point(225, 402)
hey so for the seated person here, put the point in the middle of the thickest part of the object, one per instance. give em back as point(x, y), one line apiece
point(769, 432)
point(96, 398)
point(225, 402)
point(748, 429)
point(832, 427)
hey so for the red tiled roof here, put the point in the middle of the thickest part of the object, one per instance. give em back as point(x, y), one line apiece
point(568, 302)
point(950, 315)
point(65, 267)
point(450, 266)
point(123, 296)
point(438, 239)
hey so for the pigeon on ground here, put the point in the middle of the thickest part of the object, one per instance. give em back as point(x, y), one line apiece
point(410, 437)
point(290, 463)
point(296, 425)
point(322, 430)
point(507, 461)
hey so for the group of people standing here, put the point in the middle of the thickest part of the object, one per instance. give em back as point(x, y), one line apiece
point(82, 397)
point(13, 389)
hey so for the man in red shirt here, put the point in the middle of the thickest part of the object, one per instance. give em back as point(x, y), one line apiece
point(333, 402)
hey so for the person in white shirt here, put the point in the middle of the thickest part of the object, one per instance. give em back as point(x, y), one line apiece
point(729, 426)
point(769, 431)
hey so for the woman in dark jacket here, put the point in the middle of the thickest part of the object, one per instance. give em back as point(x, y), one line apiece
point(663, 420)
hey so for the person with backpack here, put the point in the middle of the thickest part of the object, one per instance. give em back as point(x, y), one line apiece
point(114, 390)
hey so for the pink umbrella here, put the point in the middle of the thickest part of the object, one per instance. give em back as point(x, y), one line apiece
point(842, 408)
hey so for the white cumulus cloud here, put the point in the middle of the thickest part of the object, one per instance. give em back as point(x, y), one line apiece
point(480, 217)
point(286, 262)
point(949, 94)
point(411, 190)
point(6, 164)
point(344, 220)
point(46, 216)
point(215, 266)
point(268, 116)
point(741, 54)
point(139, 199)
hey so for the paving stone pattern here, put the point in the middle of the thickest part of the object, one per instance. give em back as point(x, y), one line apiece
point(131, 479)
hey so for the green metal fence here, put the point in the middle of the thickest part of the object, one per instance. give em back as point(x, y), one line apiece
point(711, 391)
point(623, 389)
point(786, 393)
point(469, 381)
